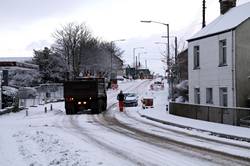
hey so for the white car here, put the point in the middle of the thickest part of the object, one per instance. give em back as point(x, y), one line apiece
point(131, 100)
point(157, 85)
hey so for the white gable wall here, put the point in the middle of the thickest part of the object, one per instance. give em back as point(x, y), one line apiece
point(210, 75)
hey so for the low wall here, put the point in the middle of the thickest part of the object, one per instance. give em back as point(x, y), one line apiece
point(225, 115)
point(6, 110)
point(46, 93)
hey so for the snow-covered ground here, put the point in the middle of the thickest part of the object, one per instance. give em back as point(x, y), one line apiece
point(160, 112)
point(53, 138)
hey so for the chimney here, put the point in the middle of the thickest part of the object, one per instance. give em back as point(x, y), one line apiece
point(226, 5)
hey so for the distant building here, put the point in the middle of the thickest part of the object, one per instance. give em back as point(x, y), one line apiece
point(130, 72)
point(137, 73)
point(117, 66)
point(219, 59)
point(143, 73)
point(182, 66)
point(10, 64)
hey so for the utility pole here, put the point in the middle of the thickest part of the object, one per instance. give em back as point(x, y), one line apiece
point(203, 13)
point(134, 58)
point(111, 59)
point(136, 62)
point(175, 61)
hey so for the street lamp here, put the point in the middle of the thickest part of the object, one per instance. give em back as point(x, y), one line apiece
point(140, 53)
point(167, 59)
point(111, 55)
point(149, 21)
point(164, 44)
point(168, 53)
point(134, 54)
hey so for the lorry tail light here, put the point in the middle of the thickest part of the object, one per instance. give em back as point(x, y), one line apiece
point(69, 98)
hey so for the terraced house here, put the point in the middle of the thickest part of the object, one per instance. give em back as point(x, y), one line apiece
point(219, 59)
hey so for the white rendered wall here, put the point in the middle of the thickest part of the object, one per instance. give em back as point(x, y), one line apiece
point(210, 75)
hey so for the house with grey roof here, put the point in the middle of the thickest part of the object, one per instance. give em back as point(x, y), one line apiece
point(219, 59)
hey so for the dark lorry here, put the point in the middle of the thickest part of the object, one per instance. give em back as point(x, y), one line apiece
point(85, 94)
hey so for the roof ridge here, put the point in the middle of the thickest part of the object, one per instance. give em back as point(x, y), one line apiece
point(230, 20)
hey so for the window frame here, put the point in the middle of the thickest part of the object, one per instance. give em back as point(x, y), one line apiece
point(223, 94)
point(223, 53)
point(209, 95)
point(197, 96)
point(196, 56)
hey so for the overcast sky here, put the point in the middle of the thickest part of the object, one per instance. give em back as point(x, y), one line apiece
point(28, 24)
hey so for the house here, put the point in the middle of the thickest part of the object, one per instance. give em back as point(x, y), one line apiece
point(182, 66)
point(219, 59)
point(137, 73)
point(130, 72)
point(117, 66)
point(143, 73)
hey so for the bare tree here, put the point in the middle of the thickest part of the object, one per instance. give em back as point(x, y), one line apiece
point(82, 52)
point(69, 41)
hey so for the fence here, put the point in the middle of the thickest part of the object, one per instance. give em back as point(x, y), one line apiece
point(225, 115)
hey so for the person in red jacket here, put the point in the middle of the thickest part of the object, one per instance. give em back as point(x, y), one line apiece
point(120, 98)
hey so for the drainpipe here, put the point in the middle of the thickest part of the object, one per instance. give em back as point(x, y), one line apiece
point(233, 69)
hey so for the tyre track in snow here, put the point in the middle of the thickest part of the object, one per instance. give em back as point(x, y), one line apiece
point(107, 121)
point(71, 124)
point(198, 138)
point(219, 154)
point(202, 154)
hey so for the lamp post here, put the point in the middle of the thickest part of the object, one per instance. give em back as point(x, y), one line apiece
point(165, 61)
point(139, 54)
point(168, 54)
point(134, 61)
point(111, 55)
point(168, 50)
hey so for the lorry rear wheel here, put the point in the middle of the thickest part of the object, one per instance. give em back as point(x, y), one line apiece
point(67, 112)
point(73, 111)
point(100, 106)
point(104, 107)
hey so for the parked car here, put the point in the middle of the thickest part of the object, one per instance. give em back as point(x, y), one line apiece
point(157, 85)
point(131, 100)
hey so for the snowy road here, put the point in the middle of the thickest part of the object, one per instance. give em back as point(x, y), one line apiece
point(111, 138)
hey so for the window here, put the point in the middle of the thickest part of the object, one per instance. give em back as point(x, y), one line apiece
point(209, 96)
point(223, 97)
point(197, 95)
point(196, 57)
point(222, 53)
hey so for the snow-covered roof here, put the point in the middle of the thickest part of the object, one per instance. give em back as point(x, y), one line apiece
point(230, 20)
point(17, 59)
